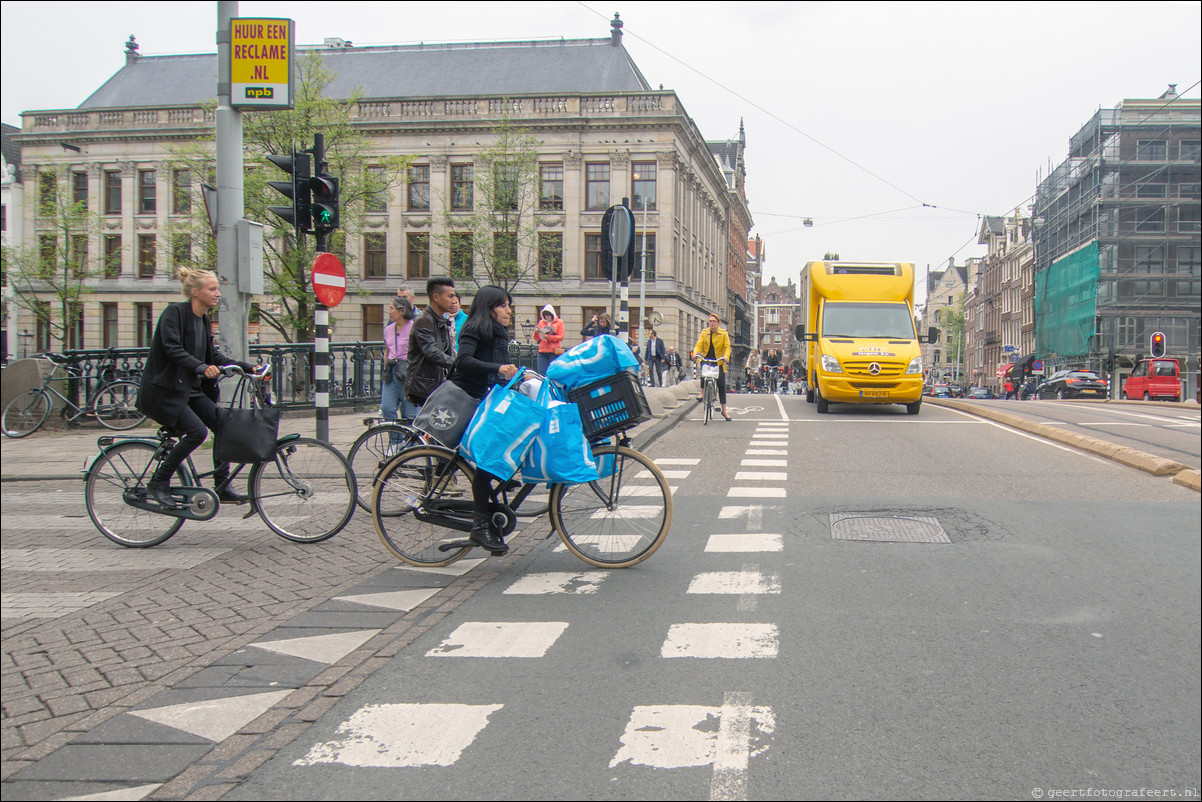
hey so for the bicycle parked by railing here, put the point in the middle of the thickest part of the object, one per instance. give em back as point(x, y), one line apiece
point(304, 493)
point(113, 402)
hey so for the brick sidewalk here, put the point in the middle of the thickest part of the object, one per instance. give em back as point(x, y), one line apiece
point(145, 621)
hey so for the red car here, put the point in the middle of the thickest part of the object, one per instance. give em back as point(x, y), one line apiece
point(1154, 378)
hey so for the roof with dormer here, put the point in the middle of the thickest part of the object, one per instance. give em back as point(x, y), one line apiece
point(425, 70)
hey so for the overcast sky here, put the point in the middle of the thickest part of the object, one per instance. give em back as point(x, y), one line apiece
point(892, 126)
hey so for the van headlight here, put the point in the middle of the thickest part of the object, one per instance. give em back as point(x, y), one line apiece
point(830, 364)
point(915, 365)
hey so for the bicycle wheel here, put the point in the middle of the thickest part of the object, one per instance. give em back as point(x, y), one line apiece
point(432, 479)
point(26, 413)
point(372, 451)
point(116, 406)
point(306, 493)
point(123, 467)
point(620, 519)
point(711, 395)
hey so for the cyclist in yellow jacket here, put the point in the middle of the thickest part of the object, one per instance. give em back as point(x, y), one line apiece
point(714, 343)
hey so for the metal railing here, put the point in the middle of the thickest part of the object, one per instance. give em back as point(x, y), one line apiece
point(356, 371)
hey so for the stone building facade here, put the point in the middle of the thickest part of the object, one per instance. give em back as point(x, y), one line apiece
point(603, 134)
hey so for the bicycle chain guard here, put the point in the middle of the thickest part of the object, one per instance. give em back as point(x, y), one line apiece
point(199, 503)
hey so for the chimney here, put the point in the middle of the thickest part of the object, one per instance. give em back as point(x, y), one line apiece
point(131, 51)
point(1170, 93)
point(615, 35)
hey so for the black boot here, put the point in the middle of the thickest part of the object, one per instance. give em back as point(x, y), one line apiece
point(221, 483)
point(159, 490)
point(482, 535)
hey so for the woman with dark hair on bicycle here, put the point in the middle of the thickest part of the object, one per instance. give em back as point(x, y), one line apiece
point(483, 361)
point(179, 387)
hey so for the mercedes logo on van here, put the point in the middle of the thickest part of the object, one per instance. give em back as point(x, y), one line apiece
point(874, 368)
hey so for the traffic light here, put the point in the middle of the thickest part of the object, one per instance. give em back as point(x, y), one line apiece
point(1158, 344)
point(324, 202)
point(299, 166)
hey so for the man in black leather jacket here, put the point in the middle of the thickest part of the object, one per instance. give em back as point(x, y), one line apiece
point(431, 342)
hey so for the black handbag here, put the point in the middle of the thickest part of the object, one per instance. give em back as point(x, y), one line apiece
point(246, 434)
point(446, 413)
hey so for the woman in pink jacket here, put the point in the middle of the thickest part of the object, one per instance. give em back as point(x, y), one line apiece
point(549, 336)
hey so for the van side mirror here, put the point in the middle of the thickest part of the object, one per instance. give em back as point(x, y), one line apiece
point(932, 335)
point(800, 333)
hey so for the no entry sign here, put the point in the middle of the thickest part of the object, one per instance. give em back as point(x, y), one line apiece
point(329, 279)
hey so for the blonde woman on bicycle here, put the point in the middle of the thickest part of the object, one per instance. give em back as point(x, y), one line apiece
point(714, 343)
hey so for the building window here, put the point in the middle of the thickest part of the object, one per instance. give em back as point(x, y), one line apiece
point(505, 254)
point(463, 192)
point(1153, 150)
point(642, 194)
point(596, 186)
point(592, 257)
point(47, 193)
point(1150, 220)
point(550, 187)
point(462, 255)
point(48, 252)
point(79, 255)
point(79, 190)
point(375, 255)
point(1190, 150)
point(181, 192)
point(112, 192)
point(42, 338)
point(147, 255)
point(146, 192)
point(377, 191)
point(373, 322)
point(1189, 260)
point(505, 187)
point(1189, 218)
point(145, 317)
point(112, 255)
point(75, 330)
point(1152, 191)
point(181, 250)
point(419, 188)
point(418, 264)
point(109, 326)
point(638, 256)
point(550, 256)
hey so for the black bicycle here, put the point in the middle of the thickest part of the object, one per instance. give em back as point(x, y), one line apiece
point(372, 450)
point(304, 493)
point(113, 402)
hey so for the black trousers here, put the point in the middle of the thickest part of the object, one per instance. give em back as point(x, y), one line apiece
point(193, 427)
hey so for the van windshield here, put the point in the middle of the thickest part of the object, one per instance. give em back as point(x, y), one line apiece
point(887, 321)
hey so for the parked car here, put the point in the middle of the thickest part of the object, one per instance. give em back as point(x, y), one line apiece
point(981, 392)
point(937, 391)
point(1073, 384)
point(1154, 378)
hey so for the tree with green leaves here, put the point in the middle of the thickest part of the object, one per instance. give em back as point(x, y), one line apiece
point(492, 218)
point(50, 277)
point(364, 184)
point(830, 257)
point(952, 323)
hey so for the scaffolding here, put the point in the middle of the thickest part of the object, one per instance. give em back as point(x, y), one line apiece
point(1117, 244)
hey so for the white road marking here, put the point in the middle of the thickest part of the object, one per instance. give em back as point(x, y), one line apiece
point(722, 641)
point(766, 443)
point(681, 461)
point(404, 600)
point(557, 582)
point(500, 639)
point(766, 452)
point(214, 719)
point(457, 568)
point(732, 583)
point(752, 541)
point(756, 492)
point(765, 463)
point(328, 649)
point(398, 735)
point(761, 476)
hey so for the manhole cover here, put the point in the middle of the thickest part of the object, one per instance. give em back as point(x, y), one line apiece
point(893, 528)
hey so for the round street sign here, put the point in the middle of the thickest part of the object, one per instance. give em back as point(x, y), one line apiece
point(329, 279)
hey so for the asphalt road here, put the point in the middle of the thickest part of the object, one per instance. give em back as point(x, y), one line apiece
point(783, 644)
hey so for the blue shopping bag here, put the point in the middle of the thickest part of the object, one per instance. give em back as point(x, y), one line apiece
point(592, 360)
point(502, 430)
point(560, 452)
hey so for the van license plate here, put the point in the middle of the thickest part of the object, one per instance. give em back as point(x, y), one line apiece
point(874, 394)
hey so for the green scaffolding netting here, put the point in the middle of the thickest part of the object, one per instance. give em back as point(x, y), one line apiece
point(1065, 302)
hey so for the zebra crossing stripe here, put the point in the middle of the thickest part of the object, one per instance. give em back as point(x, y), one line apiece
point(726, 641)
point(756, 492)
point(400, 735)
point(752, 541)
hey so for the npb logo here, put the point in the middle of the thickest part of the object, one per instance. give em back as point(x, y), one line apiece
point(267, 92)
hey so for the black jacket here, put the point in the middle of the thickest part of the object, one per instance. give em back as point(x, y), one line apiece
point(171, 370)
point(431, 354)
point(480, 359)
point(592, 329)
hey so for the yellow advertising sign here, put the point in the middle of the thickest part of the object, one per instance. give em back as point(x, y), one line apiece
point(261, 63)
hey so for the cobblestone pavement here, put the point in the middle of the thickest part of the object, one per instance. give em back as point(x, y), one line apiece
point(92, 631)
